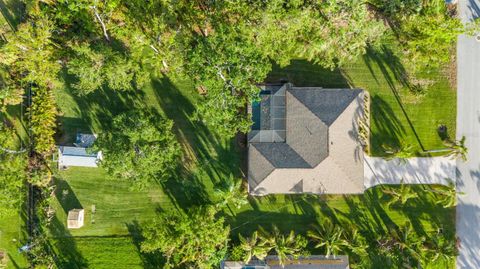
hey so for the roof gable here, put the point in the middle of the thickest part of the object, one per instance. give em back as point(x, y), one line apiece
point(326, 104)
point(311, 115)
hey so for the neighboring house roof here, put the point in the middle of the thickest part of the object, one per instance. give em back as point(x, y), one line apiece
point(320, 152)
point(308, 262)
point(79, 155)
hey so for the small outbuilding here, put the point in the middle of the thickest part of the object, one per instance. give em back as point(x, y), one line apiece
point(75, 218)
point(79, 154)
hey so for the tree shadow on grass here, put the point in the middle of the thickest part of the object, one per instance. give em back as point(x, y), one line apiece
point(303, 73)
point(98, 108)
point(390, 129)
point(66, 196)
point(371, 200)
point(12, 12)
point(185, 190)
point(215, 155)
point(395, 74)
point(297, 213)
point(64, 248)
point(149, 260)
point(68, 127)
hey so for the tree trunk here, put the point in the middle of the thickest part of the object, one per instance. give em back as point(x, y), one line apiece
point(94, 8)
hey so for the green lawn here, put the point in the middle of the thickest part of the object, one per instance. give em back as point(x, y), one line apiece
point(120, 211)
point(396, 115)
point(12, 236)
point(13, 228)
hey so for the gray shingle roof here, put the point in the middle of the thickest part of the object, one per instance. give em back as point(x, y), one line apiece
point(326, 104)
point(309, 113)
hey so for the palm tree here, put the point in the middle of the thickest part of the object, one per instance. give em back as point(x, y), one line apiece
point(441, 249)
point(448, 195)
point(407, 242)
point(355, 242)
point(402, 152)
point(458, 150)
point(286, 246)
point(231, 193)
point(400, 195)
point(328, 236)
point(253, 246)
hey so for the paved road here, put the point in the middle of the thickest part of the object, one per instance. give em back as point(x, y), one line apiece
point(436, 170)
point(468, 124)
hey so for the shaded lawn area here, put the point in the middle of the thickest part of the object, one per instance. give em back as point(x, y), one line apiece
point(396, 115)
point(13, 233)
point(11, 13)
point(113, 238)
point(12, 237)
point(121, 211)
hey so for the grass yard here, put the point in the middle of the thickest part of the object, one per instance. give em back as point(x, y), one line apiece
point(12, 236)
point(110, 236)
point(396, 115)
point(113, 237)
point(13, 233)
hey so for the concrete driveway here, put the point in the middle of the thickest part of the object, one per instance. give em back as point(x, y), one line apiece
point(436, 170)
point(468, 125)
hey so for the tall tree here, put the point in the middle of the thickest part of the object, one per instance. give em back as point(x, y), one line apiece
point(231, 192)
point(448, 195)
point(253, 246)
point(439, 249)
point(329, 33)
point(328, 236)
point(227, 66)
point(355, 242)
point(196, 240)
point(400, 195)
point(140, 147)
point(458, 149)
point(30, 55)
point(285, 246)
point(12, 173)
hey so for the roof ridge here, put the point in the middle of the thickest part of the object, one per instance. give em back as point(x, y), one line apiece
point(358, 90)
point(273, 166)
point(293, 95)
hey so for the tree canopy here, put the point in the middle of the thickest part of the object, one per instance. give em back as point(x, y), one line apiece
point(140, 147)
point(196, 240)
point(12, 173)
point(225, 47)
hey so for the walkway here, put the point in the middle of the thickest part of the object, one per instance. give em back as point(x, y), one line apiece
point(435, 170)
point(468, 125)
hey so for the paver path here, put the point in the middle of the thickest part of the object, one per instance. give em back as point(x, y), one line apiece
point(468, 125)
point(436, 170)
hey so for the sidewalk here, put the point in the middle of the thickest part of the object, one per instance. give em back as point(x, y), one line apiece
point(468, 125)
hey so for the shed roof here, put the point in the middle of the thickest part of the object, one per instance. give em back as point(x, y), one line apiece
point(77, 156)
point(75, 218)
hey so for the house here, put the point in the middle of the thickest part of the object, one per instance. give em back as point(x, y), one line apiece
point(308, 262)
point(79, 155)
point(305, 140)
point(75, 218)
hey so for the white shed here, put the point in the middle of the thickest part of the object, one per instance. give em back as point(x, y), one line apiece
point(77, 156)
point(75, 218)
